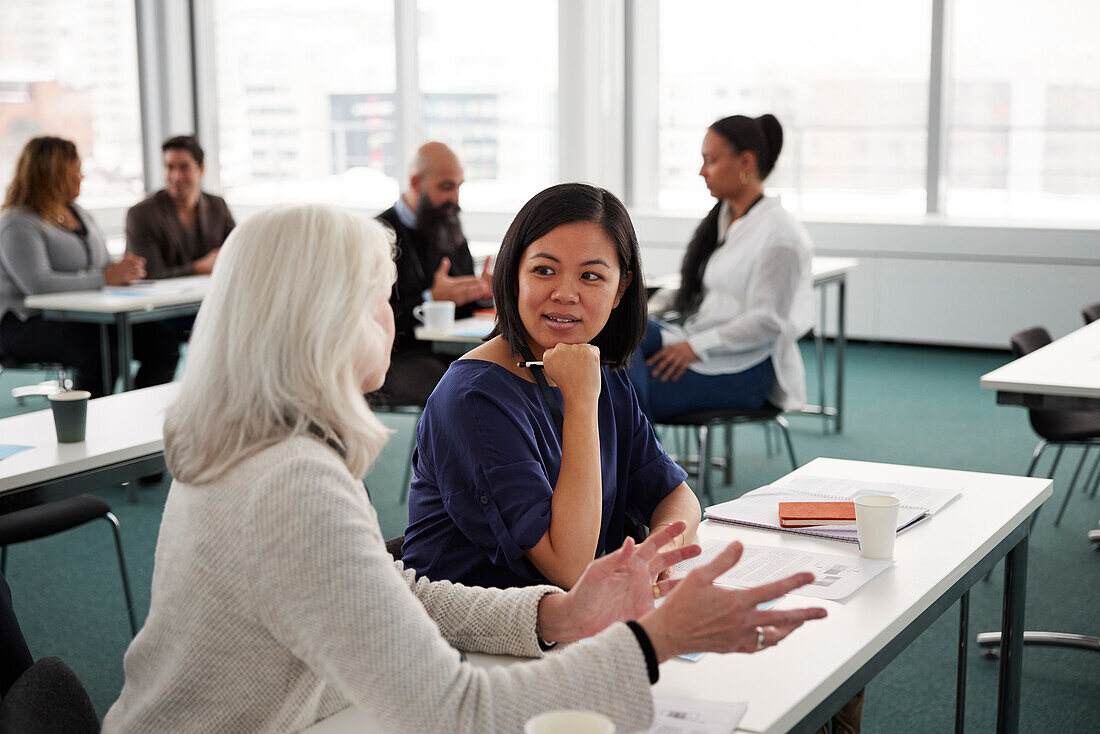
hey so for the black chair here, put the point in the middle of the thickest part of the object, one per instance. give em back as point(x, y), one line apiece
point(1058, 428)
point(61, 379)
point(393, 547)
point(48, 699)
point(50, 518)
point(1091, 312)
point(704, 421)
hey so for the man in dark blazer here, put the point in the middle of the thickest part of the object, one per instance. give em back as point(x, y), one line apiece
point(179, 231)
point(433, 263)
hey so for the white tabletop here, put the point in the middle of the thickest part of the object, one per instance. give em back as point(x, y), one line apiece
point(465, 331)
point(143, 296)
point(821, 269)
point(783, 684)
point(120, 427)
point(1068, 366)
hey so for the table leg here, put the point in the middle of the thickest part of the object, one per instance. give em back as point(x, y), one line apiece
point(125, 350)
point(105, 358)
point(819, 345)
point(1012, 639)
point(841, 343)
point(960, 680)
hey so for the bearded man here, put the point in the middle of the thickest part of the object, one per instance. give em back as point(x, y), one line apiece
point(433, 264)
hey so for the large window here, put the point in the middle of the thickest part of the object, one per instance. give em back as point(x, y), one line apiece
point(489, 84)
point(848, 83)
point(70, 69)
point(306, 101)
point(1023, 123)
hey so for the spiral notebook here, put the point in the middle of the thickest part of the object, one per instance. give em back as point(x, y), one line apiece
point(760, 507)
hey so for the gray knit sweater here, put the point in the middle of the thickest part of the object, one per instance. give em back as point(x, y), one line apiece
point(275, 604)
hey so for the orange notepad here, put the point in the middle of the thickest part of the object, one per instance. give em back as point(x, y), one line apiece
point(808, 514)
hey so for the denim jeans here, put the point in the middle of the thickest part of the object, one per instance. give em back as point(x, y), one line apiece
point(747, 390)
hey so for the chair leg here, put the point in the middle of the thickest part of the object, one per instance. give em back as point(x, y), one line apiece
point(1069, 489)
point(1094, 476)
point(110, 518)
point(1050, 474)
point(819, 347)
point(782, 423)
point(1039, 449)
point(704, 464)
point(727, 470)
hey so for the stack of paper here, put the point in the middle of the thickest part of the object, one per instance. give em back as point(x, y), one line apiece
point(760, 507)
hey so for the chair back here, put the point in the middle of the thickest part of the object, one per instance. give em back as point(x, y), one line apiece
point(393, 547)
point(1091, 312)
point(1053, 425)
point(48, 699)
point(1029, 340)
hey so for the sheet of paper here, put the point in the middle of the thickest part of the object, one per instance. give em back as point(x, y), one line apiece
point(930, 498)
point(677, 715)
point(836, 577)
point(7, 449)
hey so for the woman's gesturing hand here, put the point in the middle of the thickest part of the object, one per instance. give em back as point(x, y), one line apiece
point(615, 588)
point(699, 616)
point(575, 369)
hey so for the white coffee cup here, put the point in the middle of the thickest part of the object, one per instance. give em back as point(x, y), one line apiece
point(569, 722)
point(876, 525)
point(436, 315)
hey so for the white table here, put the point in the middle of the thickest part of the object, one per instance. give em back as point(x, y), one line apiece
point(1064, 375)
point(124, 441)
point(799, 684)
point(123, 307)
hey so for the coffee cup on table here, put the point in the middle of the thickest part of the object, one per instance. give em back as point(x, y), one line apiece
point(569, 722)
point(436, 315)
point(70, 414)
point(876, 525)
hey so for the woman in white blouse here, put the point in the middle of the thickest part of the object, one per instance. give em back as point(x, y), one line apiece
point(744, 297)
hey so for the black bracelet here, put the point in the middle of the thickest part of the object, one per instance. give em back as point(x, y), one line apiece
point(647, 650)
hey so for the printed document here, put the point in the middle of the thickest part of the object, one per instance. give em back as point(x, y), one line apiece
point(835, 577)
point(677, 715)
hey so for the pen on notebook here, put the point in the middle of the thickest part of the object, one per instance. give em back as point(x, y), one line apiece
point(539, 363)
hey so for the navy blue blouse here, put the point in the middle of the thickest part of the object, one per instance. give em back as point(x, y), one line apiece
point(487, 459)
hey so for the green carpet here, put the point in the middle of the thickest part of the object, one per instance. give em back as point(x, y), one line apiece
point(908, 405)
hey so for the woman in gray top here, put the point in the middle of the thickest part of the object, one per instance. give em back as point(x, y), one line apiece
point(49, 244)
point(274, 603)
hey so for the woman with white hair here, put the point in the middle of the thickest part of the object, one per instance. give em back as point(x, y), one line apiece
point(274, 602)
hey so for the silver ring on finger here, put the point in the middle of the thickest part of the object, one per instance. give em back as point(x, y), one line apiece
point(759, 638)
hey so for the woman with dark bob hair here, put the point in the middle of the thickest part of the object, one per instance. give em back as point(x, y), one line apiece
point(524, 474)
point(744, 296)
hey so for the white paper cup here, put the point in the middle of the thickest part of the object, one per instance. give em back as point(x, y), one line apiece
point(876, 525)
point(569, 722)
point(436, 315)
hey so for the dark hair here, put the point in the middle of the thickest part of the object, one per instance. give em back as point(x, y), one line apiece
point(764, 137)
point(184, 142)
point(40, 170)
point(565, 204)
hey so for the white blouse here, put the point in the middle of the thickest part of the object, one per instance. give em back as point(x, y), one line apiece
point(756, 300)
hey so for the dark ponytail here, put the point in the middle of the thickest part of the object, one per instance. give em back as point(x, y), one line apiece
point(764, 137)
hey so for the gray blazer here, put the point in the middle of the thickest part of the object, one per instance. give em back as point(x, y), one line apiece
point(38, 257)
